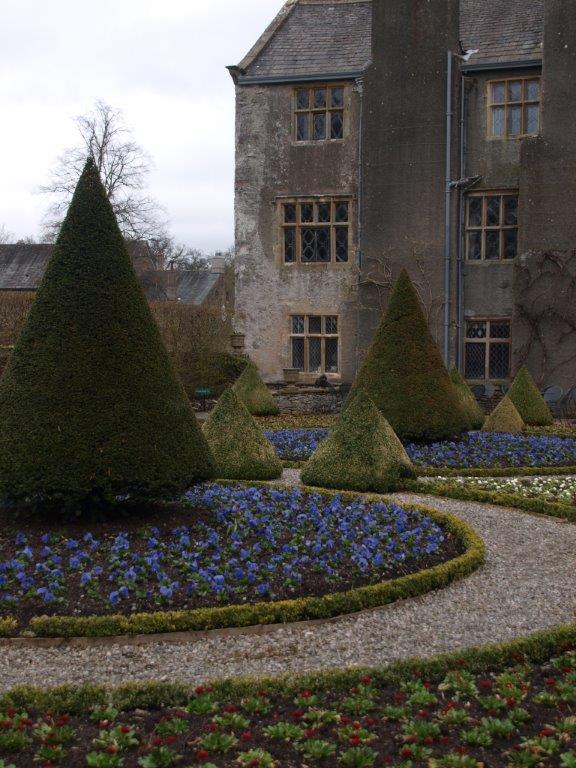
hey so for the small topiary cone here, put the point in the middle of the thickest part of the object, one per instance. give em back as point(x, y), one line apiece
point(528, 401)
point(475, 413)
point(238, 444)
point(255, 395)
point(363, 453)
point(504, 419)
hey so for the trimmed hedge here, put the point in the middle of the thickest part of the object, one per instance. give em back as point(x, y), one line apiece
point(495, 471)
point(537, 648)
point(285, 611)
point(90, 407)
point(405, 376)
point(504, 419)
point(530, 505)
point(362, 453)
point(528, 401)
point(471, 405)
point(238, 444)
point(251, 390)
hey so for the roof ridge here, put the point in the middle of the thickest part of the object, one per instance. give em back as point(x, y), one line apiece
point(268, 34)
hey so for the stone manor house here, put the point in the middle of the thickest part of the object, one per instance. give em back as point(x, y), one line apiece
point(436, 135)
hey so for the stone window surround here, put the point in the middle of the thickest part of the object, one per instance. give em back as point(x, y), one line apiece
point(344, 109)
point(307, 310)
point(523, 103)
point(488, 341)
point(279, 203)
point(484, 227)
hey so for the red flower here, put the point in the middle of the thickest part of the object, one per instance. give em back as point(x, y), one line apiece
point(202, 754)
point(546, 731)
point(199, 690)
point(231, 708)
point(111, 749)
point(406, 752)
point(356, 725)
point(310, 733)
point(370, 721)
point(365, 680)
point(355, 740)
point(444, 739)
point(306, 694)
point(125, 729)
point(550, 682)
point(212, 727)
point(486, 684)
point(10, 711)
point(170, 739)
point(428, 740)
point(157, 742)
point(246, 736)
point(297, 714)
point(344, 719)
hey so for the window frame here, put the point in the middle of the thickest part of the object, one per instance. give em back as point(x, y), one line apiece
point(524, 103)
point(488, 341)
point(483, 228)
point(323, 335)
point(327, 110)
point(298, 225)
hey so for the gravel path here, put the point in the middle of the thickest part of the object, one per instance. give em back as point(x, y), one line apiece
point(527, 584)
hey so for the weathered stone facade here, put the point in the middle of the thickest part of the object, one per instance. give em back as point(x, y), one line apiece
point(405, 143)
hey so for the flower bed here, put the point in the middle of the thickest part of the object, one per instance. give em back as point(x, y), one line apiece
point(494, 708)
point(554, 489)
point(475, 450)
point(230, 546)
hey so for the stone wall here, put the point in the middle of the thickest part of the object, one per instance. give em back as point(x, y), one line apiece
point(309, 400)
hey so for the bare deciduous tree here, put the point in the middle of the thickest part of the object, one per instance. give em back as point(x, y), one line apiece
point(5, 236)
point(123, 166)
point(170, 254)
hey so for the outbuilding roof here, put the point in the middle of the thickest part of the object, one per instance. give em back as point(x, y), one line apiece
point(322, 38)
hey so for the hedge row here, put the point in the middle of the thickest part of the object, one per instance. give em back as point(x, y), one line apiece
point(494, 471)
point(280, 612)
point(530, 505)
point(535, 649)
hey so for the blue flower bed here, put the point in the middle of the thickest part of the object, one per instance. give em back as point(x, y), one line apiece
point(477, 449)
point(239, 544)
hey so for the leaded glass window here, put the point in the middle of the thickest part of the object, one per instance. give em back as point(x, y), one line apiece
point(514, 108)
point(487, 350)
point(314, 343)
point(319, 113)
point(315, 232)
point(492, 226)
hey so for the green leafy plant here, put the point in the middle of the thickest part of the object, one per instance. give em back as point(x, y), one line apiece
point(160, 757)
point(284, 731)
point(255, 395)
point(257, 758)
point(316, 749)
point(358, 757)
point(528, 401)
point(104, 760)
point(217, 742)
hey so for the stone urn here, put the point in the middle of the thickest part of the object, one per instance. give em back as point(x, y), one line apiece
point(238, 341)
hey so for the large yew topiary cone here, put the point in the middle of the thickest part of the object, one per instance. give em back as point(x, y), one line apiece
point(472, 406)
point(528, 401)
point(255, 395)
point(405, 376)
point(90, 407)
point(362, 453)
point(238, 444)
point(504, 419)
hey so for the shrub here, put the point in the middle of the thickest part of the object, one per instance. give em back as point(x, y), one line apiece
point(238, 444)
point(504, 418)
point(528, 401)
point(472, 406)
point(404, 374)
point(90, 407)
point(255, 395)
point(362, 453)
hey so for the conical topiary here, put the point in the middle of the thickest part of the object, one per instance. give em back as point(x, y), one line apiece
point(362, 453)
point(238, 444)
point(504, 419)
point(475, 413)
point(255, 395)
point(90, 407)
point(404, 374)
point(528, 401)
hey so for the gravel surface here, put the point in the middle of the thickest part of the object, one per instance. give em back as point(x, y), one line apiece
point(527, 584)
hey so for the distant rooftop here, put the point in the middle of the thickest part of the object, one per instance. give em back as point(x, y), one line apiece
point(314, 38)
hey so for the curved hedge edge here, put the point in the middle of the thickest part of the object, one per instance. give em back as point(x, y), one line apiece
point(494, 471)
point(78, 699)
point(529, 505)
point(284, 611)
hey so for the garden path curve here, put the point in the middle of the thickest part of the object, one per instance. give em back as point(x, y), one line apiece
point(527, 584)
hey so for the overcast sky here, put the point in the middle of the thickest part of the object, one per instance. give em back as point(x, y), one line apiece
point(162, 62)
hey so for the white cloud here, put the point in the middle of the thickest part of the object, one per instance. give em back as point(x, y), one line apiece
point(162, 62)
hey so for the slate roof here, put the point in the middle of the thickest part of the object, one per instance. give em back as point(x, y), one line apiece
point(22, 268)
point(328, 37)
point(195, 287)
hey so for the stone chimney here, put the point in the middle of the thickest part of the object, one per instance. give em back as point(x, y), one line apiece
point(218, 264)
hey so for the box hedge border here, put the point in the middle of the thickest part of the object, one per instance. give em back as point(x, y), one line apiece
point(533, 506)
point(280, 612)
point(79, 699)
point(475, 471)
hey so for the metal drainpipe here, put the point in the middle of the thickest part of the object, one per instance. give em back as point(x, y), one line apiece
point(448, 221)
point(359, 209)
point(461, 235)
